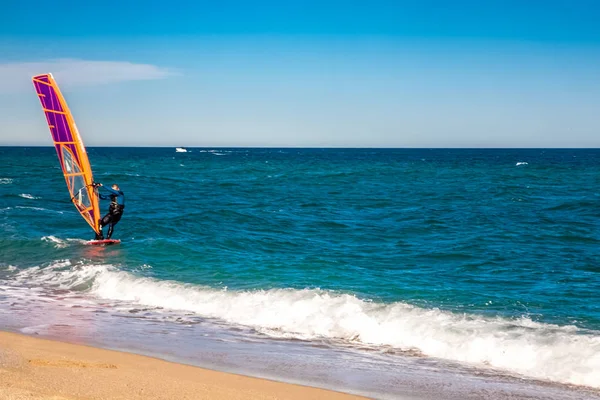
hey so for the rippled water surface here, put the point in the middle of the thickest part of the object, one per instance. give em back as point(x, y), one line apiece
point(388, 264)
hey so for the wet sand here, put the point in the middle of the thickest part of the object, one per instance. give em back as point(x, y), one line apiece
point(32, 368)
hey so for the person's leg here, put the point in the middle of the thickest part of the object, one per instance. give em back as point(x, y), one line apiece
point(110, 231)
point(106, 220)
point(113, 221)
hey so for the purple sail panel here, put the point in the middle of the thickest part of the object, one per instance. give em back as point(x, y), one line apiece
point(55, 112)
point(49, 97)
point(91, 214)
point(57, 122)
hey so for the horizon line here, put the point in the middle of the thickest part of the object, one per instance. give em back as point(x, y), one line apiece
point(317, 147)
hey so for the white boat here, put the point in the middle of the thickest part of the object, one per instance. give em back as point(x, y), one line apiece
point(180, 150)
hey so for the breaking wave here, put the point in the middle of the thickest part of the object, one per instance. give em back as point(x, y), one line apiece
point(544, 351)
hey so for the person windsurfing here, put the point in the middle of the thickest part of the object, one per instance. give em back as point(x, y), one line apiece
point(115, 209)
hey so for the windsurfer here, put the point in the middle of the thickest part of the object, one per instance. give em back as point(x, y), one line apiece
point(115, 209)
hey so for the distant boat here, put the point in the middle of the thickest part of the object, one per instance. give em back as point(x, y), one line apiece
point(180, 150)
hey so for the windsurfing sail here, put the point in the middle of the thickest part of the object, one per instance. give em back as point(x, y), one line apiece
point(70, 149)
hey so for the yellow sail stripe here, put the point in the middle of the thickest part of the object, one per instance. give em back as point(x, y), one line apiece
point(55, 111)
point(45, 83)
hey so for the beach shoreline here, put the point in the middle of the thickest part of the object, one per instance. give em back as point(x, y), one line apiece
point(36, 368)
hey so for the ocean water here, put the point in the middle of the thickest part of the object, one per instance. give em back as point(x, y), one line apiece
point(396, 273)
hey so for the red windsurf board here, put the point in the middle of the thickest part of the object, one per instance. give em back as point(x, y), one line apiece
point(104, 242)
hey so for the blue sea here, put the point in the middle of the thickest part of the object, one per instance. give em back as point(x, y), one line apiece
point(393, 273)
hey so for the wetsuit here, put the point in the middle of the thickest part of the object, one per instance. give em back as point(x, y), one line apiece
point(115, 210)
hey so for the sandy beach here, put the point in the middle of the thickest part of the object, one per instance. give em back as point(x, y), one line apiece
point(32, 368)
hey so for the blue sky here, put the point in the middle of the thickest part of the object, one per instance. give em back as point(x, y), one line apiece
point(301, 73)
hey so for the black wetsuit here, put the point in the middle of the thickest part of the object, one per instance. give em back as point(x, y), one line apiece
point(115, 211)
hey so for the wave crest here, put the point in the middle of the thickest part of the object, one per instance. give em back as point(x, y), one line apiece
point(544, 351)
point(28, 196)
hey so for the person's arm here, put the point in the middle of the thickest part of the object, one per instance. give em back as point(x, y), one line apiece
point(115, 192)
point(98, 185)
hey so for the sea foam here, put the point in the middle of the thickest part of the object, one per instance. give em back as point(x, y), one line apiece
point(61, 243)
point(538, 350)
point(28, 196)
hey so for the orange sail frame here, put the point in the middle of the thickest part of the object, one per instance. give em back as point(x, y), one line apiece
point(70, 149)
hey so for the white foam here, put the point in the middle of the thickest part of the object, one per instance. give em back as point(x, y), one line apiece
point(62, 243)
point(522, 163)
point(53, 239)
point(217, 152)
point(78, 241)
point(38, 209)
point(544, 351)
point(28, 196)
point(61, 274)
point(33, 330)
point(5, 181)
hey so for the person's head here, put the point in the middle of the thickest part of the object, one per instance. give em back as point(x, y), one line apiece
point(115, 187)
